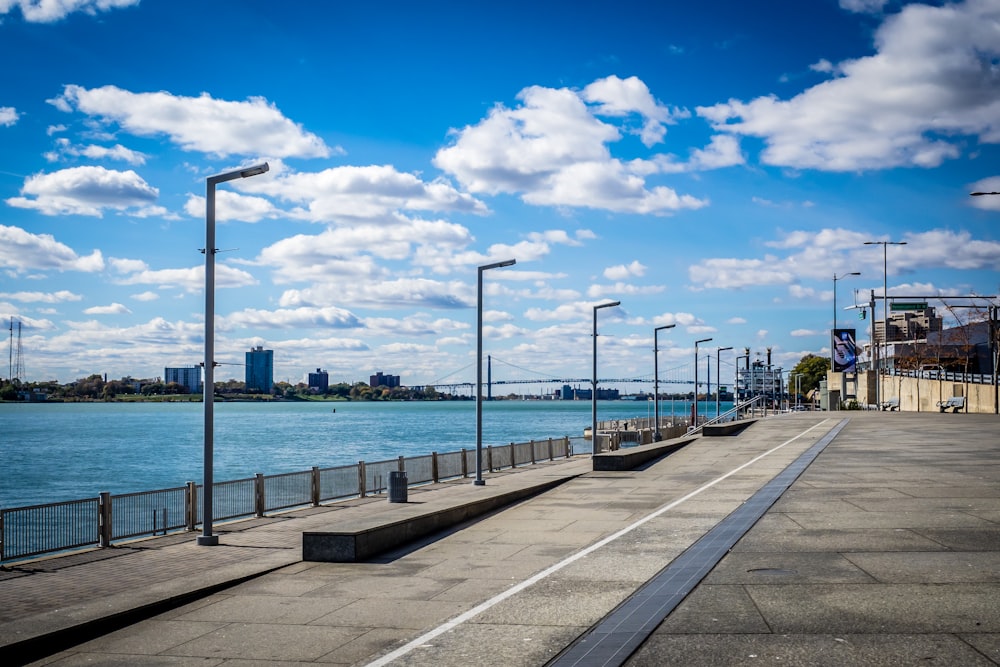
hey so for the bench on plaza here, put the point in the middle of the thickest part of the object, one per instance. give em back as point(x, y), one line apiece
point(956, 403)
point(891, 404)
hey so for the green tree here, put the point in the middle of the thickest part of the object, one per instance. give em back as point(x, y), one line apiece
point(813, 370)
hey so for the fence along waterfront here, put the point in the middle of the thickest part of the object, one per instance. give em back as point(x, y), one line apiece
point(52, 527)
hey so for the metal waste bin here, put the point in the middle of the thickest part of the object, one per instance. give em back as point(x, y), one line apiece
point(397, 486)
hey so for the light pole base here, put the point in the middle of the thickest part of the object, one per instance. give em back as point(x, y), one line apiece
point(208, 540)
point(479, 482)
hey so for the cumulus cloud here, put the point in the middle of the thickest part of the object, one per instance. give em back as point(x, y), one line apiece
point(819, 254)
point(84, 191)
point(863, 6)
point(49, 11)
point(230, 206)
point(360, 193)
point(146, 296)
point(41, 297)
point(203, 124)
point(304, 317)
point(621, 272)
point(931, 84)
point(8, 116)
point(113, 309)
point(22, 251)
point(65, 148)
point(407, 292)
point(190, 279)
point(552, 150)
point(986, 202)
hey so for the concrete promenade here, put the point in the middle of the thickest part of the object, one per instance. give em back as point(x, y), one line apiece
point(885, 550)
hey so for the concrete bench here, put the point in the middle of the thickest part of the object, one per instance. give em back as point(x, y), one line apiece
point(955, 403)
point(633, 457)
point(891, 404)
point(395, 524)
point(727, 428)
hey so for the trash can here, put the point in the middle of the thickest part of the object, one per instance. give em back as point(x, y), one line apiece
point(397, 486)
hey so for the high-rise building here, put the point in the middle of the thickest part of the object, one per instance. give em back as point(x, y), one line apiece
point(259, 371)
point(380, 380)
point(187, 376)
point(319, 381)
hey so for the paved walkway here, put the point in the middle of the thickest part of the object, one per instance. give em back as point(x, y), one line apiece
point(886, 550)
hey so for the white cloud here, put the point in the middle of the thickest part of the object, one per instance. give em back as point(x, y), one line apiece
point(146, 296)
point(232, 206)
point(284, 318)
point(8, 116)
point(736, 320)
point(407, 292)
point(356, 194)
point(190, 279)
point(127, 265)
point(986, 202)
point(553, 150)
point(931, 84)
point(799, 333)
point(622, 289)
point(49, 11)
point(94, 152)
point(42, 297)
point(23, 251)
point(204, 124)
point(84, 191)
point(863, 6)
point(722, 151)
point(113, 309)
point(621, 271)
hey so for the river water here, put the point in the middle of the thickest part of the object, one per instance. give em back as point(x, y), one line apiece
point(70, 451)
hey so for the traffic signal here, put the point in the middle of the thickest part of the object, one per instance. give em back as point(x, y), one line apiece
point(862, 314)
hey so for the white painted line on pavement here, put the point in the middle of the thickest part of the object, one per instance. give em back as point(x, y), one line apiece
point(514, 590)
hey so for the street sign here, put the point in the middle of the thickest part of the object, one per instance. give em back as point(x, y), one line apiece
point(908, 306)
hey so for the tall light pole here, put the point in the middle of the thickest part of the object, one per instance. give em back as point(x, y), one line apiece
point(718, 382)
point(994, 331)
point(656, 381)
point(208, 391)
point(835, 279)
point(479, 481)
point(694, 408)
point(885, 315)
point(593, 384)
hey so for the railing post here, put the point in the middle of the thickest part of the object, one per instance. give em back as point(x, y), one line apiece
point(314, 486)
point(1, 537)
point(104, 519)
point(434, 467)
point(513, 454)
point(190, 506)
point(402, 464)
point(489, 457)
point(260, 502)
point(532, 452)
point(362, 480)
point(465, 463)
point(550, 449)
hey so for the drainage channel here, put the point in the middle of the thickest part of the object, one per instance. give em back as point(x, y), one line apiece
point(620, 633)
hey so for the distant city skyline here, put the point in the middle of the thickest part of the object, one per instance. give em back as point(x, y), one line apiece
point(719, 167)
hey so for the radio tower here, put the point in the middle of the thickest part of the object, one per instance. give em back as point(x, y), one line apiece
point(16, 360)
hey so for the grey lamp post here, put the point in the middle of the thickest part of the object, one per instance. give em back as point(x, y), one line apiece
point(479, 481)
point(718, 382)
point(885, 315)
point(993, 341)
point(695, 406)
point(656, 381)
point(208, 391)
point(835, 279)
point(593, 384)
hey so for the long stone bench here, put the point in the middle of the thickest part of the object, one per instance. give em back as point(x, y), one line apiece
point(727, 428)
point(396, 524)
point(633, 457)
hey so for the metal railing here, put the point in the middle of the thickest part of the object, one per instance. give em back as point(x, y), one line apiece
point(748, 408)
point(53, 527)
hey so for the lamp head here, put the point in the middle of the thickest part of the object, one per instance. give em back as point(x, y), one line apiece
point(254, 170)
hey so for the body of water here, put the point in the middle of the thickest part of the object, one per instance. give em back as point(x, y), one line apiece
point(69, 451)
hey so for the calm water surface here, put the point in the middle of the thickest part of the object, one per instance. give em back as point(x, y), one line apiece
point(68, 451)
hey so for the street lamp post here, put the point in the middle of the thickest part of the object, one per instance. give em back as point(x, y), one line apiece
point(208, 387)
point(694, 408)
point(656, 381)
point(479, 481)
point(798, 387)
point(593, 384)
point(885, 315)
point(835, 279)
point(718, 382)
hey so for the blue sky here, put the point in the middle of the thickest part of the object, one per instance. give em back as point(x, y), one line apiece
point(710, 165)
